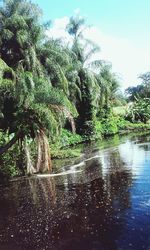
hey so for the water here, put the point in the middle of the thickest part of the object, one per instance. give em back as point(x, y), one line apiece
point(99, 201)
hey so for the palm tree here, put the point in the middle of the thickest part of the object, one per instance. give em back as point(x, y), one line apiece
point(20, 34)
point(35, 102)
point(109, 85)
point(55, 59)
point(82, 51)
point(31, 109)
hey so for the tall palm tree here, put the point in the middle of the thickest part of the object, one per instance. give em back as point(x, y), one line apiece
point(83, 50)
point(31, 109)
point(55, 59)
point(109, 85)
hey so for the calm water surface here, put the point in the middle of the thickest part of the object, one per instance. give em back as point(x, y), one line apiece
point(101, 201)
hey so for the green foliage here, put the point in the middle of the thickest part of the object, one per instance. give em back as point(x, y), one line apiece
point(44, 82)
point(65, 153)
point(20, 32)
point(8, 166)
point(140, 126)
point(140, 91)
point(121, 123)
point(109, 126)
point(108, 121)
point(98, 132)
point(139, 110)
point(67, 138)
point(120, 111)
point(75, 26)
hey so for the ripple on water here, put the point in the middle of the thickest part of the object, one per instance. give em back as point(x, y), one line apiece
point(101, 201)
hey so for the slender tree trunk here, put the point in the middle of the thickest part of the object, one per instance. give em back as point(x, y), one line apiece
point(5, 148)
point(39, 148)
point(47, 156)
point(44, 163)
point(30, 168)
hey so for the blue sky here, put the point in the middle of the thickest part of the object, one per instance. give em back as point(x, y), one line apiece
point(125, 21)
point(129, 18)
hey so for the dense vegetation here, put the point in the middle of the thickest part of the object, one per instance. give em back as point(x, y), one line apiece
point(53, 93)
point(139, 97)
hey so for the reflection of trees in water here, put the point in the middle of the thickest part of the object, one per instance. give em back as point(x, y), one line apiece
point(141, 138)
point(28, 215)
point(96, 213)
point(145, 146)
point(119, 179)
point(86, 214)
point(45, 187)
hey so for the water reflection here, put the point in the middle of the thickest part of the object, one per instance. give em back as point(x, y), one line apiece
point(105, 205)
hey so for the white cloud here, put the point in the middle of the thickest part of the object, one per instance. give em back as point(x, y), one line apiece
point(77, 11)
point(58, 29)
point(127, 59)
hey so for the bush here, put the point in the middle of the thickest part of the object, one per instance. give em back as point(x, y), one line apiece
point(98, 129)
point(10, 161)
point(67, 138)
point(65, 153)
point(6, 172)
point(139, 111)
point(110, 126)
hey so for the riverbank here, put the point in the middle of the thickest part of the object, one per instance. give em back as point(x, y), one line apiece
point(64, 147)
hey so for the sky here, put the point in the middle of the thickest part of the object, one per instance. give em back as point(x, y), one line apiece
point(119, 27)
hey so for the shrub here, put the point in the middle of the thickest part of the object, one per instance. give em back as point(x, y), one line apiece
point(67, 138)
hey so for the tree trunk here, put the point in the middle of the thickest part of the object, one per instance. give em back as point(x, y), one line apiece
point(30, 169)
point(44, 163)
point(39, 148)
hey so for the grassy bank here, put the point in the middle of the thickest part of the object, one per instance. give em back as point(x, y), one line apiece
point(117, 125)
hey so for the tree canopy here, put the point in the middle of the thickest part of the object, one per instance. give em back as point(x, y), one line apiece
point(44, 82)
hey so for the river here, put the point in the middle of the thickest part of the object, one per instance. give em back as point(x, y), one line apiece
point(99, 201)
